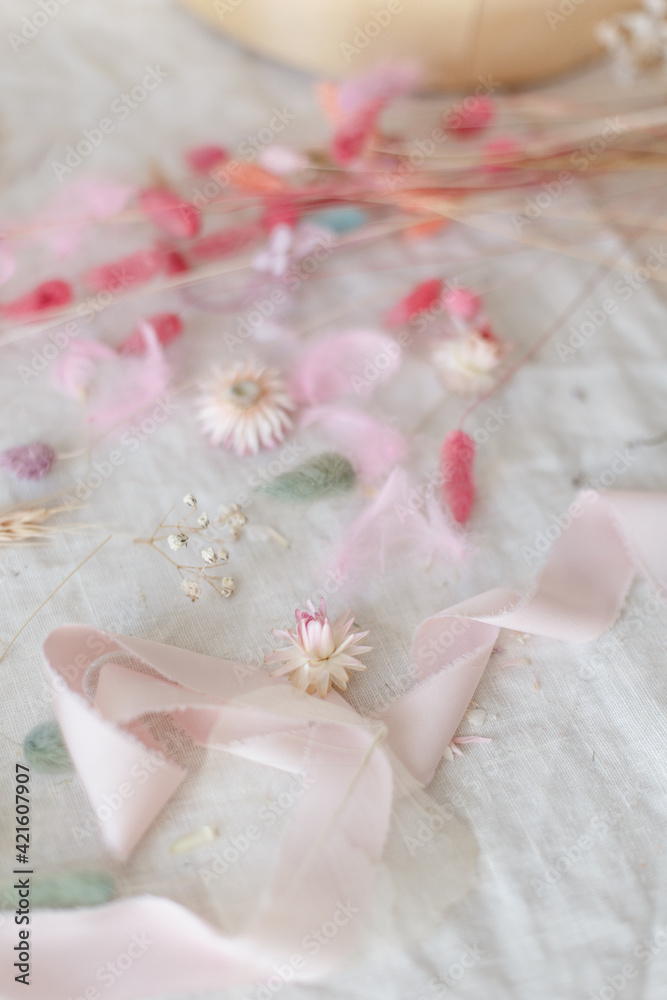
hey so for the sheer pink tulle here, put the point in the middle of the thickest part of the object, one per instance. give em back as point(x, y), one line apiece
point(77, 366)
point(403, 520)
point(384, 83)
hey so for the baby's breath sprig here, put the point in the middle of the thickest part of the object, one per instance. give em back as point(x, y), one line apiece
point(214, 555)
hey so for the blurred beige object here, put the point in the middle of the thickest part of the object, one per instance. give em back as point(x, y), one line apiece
point(458, 42)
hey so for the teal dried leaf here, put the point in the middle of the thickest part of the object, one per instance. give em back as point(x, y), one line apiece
point(325, 475)
point(45, 750)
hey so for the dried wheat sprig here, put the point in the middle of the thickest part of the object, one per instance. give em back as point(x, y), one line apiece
point(31, 524)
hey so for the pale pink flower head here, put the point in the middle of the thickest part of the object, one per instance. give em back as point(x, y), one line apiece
point(466, 365)
point(245, 408)
point(320, 652)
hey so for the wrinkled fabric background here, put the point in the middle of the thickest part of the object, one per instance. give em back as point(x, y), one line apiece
point(567, 801)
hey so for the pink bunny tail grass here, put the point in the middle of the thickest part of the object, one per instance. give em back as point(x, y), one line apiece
point(167, 326)
point(170, 213)
point(457, 457)
point(421, 298)
point(49, 295)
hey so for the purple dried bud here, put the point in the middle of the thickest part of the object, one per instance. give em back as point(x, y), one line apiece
point(29, 461)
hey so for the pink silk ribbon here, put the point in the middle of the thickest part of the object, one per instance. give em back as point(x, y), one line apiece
point(352, 767)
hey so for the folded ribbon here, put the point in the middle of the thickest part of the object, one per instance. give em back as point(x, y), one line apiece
point(352, 767)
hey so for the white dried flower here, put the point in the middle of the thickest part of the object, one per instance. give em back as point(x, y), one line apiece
point(191, 589)
point(245, 408)
point(209, 556)
point(177, 541)
point(223, 556)
point(190, 500)
point(203, 520)
point(227, 586)
point(467, 364)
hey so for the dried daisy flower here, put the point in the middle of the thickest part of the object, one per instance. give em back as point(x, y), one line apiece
point(191, 588)
point(190, 500)
point(177, 541)
point(245, 408)
point(466, 365)
point(321, 651)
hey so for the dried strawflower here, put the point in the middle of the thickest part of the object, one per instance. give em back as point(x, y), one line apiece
point(321, 651)
point(466, 364)
point(189, 500)
point(177, 541)
point(191, 588)
point(29, 461)
point(245, 408)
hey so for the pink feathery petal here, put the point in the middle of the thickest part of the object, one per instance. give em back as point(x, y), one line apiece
point(355, 133)
point(383, 83)
point(47, 296)
point(134, 269)
point(421, 298)
point(29, 461)
point(470, 116)
point(171, 214)
point(462, 302)
point(353, 362)
point(226, 241)
point(201, 159)
point(398, 523)
point(373, 448)
point(77, 366)
point(167, 326)
point(457, 459)
point(131, 384)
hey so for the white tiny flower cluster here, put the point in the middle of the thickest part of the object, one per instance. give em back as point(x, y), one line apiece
point(213, 556)
point(637, 40)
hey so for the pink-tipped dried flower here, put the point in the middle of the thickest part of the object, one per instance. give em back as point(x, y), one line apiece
point(321, 651)
point(466, 365)
point(245, 408)
point(29, 461)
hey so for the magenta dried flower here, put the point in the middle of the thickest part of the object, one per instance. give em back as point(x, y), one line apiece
point(29, 461)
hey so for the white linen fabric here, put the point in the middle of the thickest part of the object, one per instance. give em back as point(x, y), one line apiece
point(567, 803)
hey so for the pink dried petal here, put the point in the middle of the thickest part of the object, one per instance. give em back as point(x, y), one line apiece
point(49, 295)
point(354, 134)
point(201, 159)
point(29, 461)
point(421, 298)
point(457, 458)
point(134, 269)
point(381, 83)
point(171, 214)
point(167, 326)
point(224, 242)
point(470, 116)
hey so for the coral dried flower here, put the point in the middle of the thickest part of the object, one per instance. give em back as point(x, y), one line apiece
point(321, 651)
point(245, 408)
